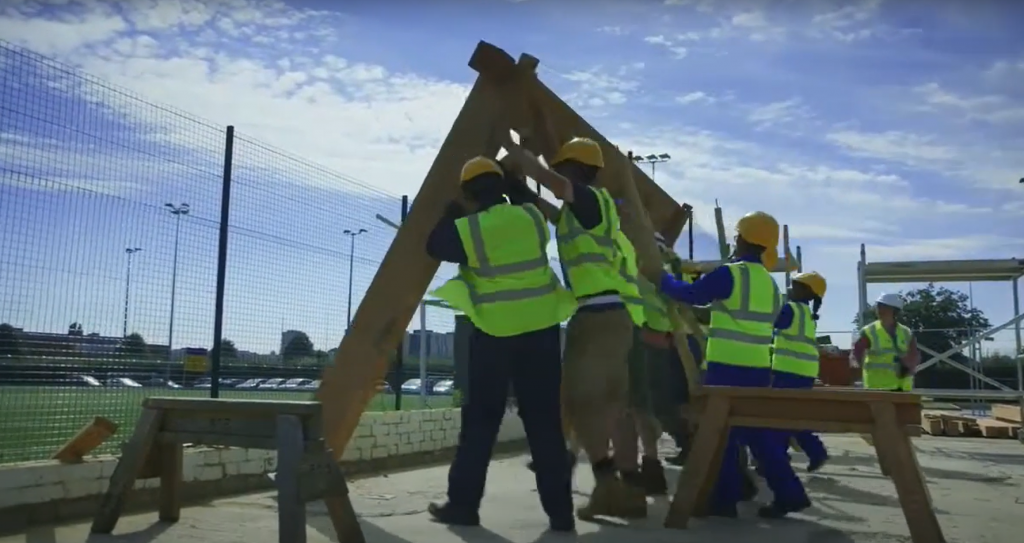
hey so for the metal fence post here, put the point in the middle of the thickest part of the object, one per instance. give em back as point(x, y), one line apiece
point(222, 261)
point(400, 356)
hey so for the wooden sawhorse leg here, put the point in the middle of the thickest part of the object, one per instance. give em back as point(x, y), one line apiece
point(896, 453)
point(123, 479)
point(701, 470)
point(304, 475)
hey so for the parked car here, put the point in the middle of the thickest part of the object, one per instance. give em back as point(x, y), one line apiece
point(271, 384)
point(384, 387)
point(313, 384)
point(412, 386)
point(122, 382)
point(80, 381)
point(294, 384)
point(444, 387)
point(250, 383)
point(156, 381)
point(206, 382)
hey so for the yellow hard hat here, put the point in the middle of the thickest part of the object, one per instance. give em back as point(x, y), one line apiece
point(761, 229)
point(478, 166)
point(814, 281)
point(583, 150)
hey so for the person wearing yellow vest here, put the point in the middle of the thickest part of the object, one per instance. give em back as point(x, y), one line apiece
point(650, 380)
point(510, 293)
point(886, 349)
point(745, 301)
point(795, 354)
point(599, 335)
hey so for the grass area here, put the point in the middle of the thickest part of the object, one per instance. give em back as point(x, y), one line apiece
point(35, 421)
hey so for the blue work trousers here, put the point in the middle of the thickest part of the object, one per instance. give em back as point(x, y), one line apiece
point(531, 363)
point(765, 446)
point(809, 442)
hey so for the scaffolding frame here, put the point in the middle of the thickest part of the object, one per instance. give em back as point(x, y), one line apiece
point(1010, 270)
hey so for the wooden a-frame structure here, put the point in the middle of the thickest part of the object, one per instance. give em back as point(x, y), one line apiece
point(506, 95)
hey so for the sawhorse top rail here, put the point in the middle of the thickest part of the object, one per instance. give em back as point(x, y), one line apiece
point(883, 415)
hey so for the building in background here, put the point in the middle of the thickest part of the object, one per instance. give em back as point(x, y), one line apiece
point(439, 345)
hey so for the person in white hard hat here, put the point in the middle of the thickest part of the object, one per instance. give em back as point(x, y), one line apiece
point(887, 350)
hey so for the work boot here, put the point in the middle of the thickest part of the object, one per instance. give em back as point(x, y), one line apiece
point(817, 463)
point(678, 460)
point(612, 497)
point(653, 474)
point(446, 513)
point(777, 510)
point(563, 525)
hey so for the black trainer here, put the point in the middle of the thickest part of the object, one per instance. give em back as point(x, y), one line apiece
point(446, 513)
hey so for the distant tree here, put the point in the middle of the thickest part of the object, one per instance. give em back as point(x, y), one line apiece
point(997, 359)
point(133, 346)
point(10, 344)
point(299, 346)
point(945, 315)
point(228, 350)
point(75, 329)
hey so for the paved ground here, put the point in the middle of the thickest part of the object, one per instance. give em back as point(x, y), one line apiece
point(977, 486)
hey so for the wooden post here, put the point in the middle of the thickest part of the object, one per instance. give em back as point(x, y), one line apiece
point(87, 439)
point(403, 277)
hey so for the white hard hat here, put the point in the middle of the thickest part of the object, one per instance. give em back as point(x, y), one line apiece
point(891, 300)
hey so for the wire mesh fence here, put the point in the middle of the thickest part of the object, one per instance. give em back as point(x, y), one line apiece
point(110, 212)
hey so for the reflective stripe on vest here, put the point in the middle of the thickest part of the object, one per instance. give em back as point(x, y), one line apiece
point(881, 370)
point(592, 261)
point(655, 306)
point(483, 283)
point(741, 327)
point(630, 275)
point(795, 348)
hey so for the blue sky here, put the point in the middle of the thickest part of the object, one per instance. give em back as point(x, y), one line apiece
point(877, 122)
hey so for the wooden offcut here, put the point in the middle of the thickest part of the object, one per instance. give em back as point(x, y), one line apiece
point(306, 470)
point(889, 417)
point(506, 95)
point(88, 439)
point(1007, 413)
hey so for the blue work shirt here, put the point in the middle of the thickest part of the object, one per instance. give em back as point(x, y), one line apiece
point(713, 286)
point(786, 316)
point(716, 286)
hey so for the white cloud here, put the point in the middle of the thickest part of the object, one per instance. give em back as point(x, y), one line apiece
point(985, 164)
point(676, 51)
point(597, 88)
point(779, 113)
point(695, 98)
point(989, 108)
point(756, 26)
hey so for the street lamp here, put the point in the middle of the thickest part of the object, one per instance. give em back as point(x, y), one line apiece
point(130, 251)
point(177, 211)
point(351, 261)
point(652, 160)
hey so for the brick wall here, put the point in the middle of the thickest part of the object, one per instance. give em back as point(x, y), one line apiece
point(45, 491)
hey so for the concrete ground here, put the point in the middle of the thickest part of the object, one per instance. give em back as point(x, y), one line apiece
point(977, 486)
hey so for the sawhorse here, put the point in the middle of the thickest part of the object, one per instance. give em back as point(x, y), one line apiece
point(887, 416)
point(306, 471)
